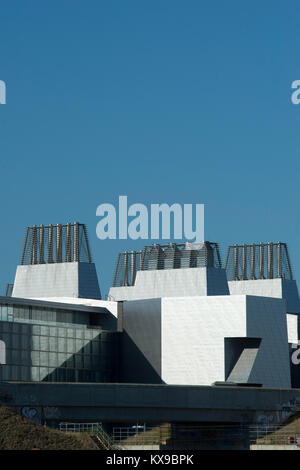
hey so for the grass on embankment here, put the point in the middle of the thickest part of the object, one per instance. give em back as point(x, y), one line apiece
point(20, 433)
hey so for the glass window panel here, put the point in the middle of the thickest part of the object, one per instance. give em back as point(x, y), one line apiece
point(53, 344)
point(10, 315)
point(25, 358)
point(15, 373)
point(6, 337)
point(43, 372)
point(61, 332)
point(62, 358)
point(96, 362)
point(70, 375)
point(71, 362)
point(53, 360)
point(44, 358)
point(35, 374)
point(87, 363)
point(36, 314)
point(36, 329)
point(44, 343)
point(78, 345)
point(16, 328)
point(16, 341)
point(45, 330)
point(53, 331)
point(6, 372)
point(70, 345)
point(61, 375)
point(78, 361)
point(23, 312)
point(16, 356)
point(25, 374)
point(95, 347)
point(62, 345)
point(4, 312)
point(25, 329)
point(36, 342)
point(87, 348)
point(25, 342)
point(35, 358)
point(79, 333)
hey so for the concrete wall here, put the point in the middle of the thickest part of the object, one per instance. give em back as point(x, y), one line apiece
point(56, 280)
point(174, 283)
point(157, 403)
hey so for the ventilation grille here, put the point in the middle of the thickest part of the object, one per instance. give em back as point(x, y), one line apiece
point(61, 243)
point(258, 261)
point(172, 256)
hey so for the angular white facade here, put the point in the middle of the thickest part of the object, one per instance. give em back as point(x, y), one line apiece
point(56, 280)
point(173, 283)
point(279, 288)
point(185, 339)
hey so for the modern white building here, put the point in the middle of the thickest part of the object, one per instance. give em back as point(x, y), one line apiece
point(189, 325)
point(174, 314)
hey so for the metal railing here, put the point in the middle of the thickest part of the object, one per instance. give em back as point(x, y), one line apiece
point(200, 437)
point(141, 435)
point(79, 427)
point(194, 436)
point(273, 435)
point(95, 429)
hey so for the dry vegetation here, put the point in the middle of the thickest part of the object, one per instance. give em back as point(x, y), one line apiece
point(19, 433)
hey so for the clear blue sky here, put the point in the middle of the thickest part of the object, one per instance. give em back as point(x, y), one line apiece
point(163, 101)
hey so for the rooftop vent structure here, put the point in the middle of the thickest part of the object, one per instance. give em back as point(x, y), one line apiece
point(162, 257)
point(60, 243)
point(56, 261)
point(258, 261)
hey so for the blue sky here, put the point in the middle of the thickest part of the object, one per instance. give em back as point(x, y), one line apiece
point(162, 101)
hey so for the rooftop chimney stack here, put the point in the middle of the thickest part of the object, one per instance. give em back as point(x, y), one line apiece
point(56, 261)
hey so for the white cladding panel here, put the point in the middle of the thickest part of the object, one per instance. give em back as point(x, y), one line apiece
point(193, 332)
point(260, 287)
point(56, 280)
point(173, 283)
point(278, 288)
